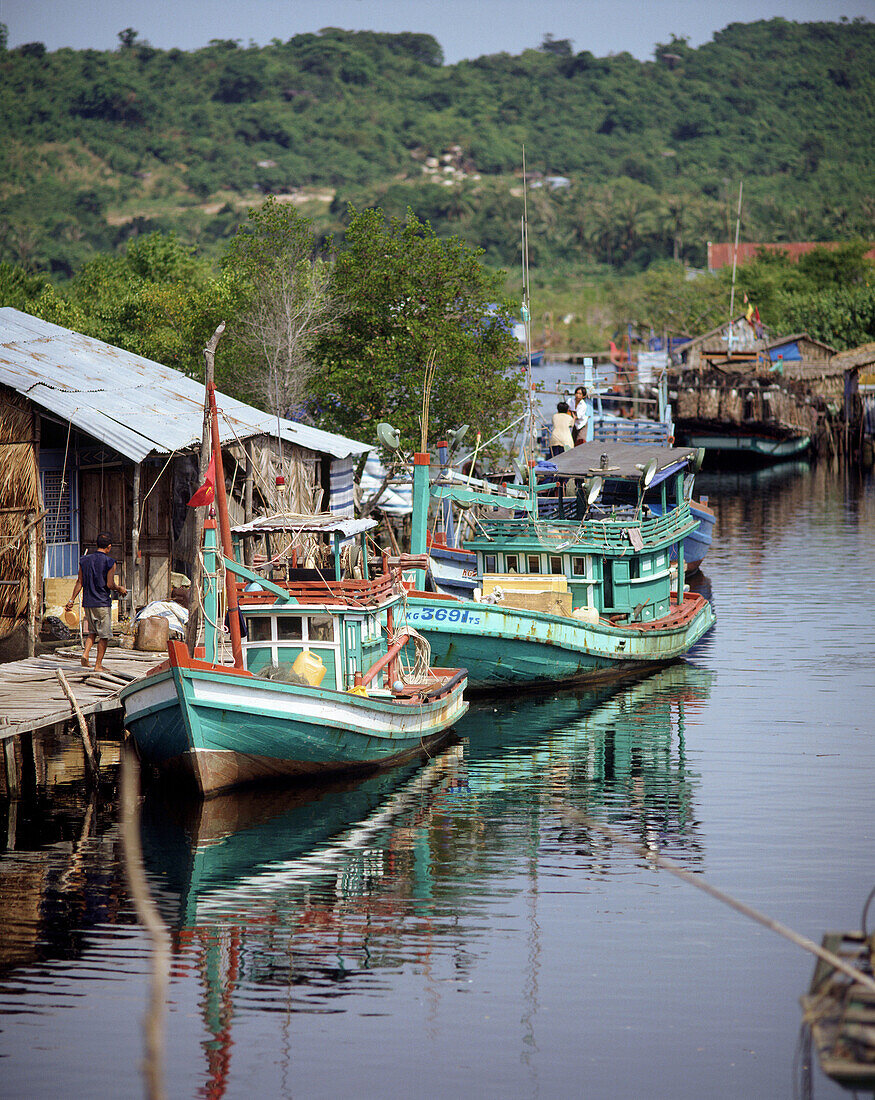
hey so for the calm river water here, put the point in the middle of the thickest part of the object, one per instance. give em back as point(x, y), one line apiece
point(453, 929)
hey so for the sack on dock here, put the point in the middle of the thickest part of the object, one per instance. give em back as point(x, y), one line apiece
point(152, 634)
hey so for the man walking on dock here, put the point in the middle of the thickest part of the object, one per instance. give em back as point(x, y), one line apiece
point(97, 582)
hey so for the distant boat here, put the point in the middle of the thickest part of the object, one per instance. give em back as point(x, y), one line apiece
point(537, 358)
point(755, 447)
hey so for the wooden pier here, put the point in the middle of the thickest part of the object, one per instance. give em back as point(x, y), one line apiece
point(32, 698)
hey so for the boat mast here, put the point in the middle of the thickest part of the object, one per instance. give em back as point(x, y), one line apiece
point(525, 311)
point(225, 531)
point(734, 265)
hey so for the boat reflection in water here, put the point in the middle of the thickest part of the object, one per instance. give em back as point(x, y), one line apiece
point(306, 890)
point(620, 750)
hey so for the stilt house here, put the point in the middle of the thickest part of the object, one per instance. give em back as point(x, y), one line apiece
point(94, 438)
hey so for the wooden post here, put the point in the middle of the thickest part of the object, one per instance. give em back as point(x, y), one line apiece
point(12, 785)
point(248, 547)
point(34, 605)
point(92, 759)
point(194, 611)
point(135, 544)
point(39, 761)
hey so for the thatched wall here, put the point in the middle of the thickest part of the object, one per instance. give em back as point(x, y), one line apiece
point(19, 496)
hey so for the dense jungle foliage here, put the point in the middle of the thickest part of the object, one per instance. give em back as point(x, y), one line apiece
point(636, 161)
point(132, 204)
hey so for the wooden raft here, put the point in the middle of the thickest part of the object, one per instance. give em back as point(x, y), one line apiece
point(31, 696)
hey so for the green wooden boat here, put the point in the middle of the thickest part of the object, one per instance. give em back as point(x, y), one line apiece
point(578, 599)
point(223, 725)
point(315, 687)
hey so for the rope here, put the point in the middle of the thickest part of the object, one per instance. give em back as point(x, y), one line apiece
point(420, 671)
point(696, 880)
point(146, 497)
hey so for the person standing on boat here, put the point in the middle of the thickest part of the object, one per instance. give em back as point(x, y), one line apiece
point(96, 582)
point(561, 438)
point(581, 415)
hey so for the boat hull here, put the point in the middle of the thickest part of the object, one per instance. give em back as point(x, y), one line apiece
point(221, 728)
point(504, 646)
point(755, 448)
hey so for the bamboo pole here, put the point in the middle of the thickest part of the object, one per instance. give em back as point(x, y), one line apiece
point(225, 531)
point(92, 760)
point(248, 548)
point(135, 545)
point(194, 610)
point(150, 918)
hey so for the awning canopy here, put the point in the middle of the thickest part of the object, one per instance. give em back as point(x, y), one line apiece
point(324, 524)
point(621, 461)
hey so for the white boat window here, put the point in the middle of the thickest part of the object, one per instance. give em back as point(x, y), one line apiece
point(578, 566)
point(258, 629)
point(288, 628)
point(512, 563)
point(321, 628)
point(534, 563)
point(490, 563)
point(556, 565)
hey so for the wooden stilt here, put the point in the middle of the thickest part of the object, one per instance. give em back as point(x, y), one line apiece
point(13, 786)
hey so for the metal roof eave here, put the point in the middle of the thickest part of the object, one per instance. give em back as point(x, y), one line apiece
point(132, 404)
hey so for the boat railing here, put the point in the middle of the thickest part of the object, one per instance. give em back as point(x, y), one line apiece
point(353, 590)
point(654, 432)
point(606, 532)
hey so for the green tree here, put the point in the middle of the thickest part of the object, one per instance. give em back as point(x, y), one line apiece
point(285, 304)
point(410, 296)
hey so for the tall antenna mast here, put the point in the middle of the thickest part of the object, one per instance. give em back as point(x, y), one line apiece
point(525, 312)
point(734, 265)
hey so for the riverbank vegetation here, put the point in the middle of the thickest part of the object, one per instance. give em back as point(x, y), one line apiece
point(630, 162)
point(133, 188)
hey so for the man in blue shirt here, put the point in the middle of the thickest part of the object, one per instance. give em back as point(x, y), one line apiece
point(96, 581)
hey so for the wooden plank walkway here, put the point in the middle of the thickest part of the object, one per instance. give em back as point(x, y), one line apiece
point(31, 696)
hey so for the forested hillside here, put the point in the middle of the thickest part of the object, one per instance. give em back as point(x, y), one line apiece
point(646, 156)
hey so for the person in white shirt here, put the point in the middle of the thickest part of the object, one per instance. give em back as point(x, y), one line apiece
point(581, 415)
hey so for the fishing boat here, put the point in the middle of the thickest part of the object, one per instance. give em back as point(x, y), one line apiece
point(606, 427)
point(317, 684)
point(576, 599)
point(840, 1011)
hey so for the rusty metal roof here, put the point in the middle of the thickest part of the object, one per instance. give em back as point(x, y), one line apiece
point(132, 404)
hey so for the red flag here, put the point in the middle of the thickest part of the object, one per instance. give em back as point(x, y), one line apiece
point(206, 494)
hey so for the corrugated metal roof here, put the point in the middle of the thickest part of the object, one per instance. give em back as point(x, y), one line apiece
point(134, 405)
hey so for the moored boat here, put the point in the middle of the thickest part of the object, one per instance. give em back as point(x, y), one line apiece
point(316, 687)
point(567, 599)
point(840, 1011)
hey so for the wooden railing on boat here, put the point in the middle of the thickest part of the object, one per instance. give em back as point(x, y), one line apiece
point(606, 533)
point(370, 592)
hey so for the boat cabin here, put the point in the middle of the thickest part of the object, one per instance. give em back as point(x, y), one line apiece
point(313, 595)
point(613, 557)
